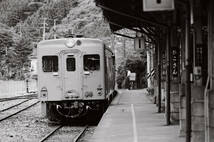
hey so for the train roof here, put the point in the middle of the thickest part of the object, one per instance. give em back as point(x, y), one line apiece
point(64, 40)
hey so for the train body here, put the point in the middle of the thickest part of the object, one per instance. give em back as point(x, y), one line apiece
point(75, 75)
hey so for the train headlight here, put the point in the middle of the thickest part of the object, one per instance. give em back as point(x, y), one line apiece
point(44, 92)
point(70, 43)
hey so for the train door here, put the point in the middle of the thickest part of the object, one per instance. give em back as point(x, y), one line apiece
point(72, 75)
point(93, 86)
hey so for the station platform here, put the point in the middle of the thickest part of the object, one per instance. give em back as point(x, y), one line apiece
point(132, 117)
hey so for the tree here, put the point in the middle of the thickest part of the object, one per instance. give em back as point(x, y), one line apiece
point(6, 43)
point(13, 11)
point(6, 40)
point(14, 52)
point(83, 18)
point(23, 48)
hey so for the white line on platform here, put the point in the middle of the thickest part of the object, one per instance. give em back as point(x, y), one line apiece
point(134, 124)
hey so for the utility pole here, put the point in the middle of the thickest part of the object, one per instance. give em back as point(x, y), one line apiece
point(44, 26)
point(54, 27)
point(6, 49)
point(124, 47)
point(20, 29)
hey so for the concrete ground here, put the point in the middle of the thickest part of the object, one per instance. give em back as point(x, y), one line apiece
point(133, 118)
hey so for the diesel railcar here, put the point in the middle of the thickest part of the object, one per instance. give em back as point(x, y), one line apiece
point(75, 75)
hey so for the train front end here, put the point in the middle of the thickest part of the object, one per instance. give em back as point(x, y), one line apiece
point(70, 77)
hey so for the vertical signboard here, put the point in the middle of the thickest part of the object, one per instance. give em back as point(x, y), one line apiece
point(175, 62)
point(139, 43)
point(164, 67)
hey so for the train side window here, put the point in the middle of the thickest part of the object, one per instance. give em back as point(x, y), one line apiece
point(70, 63)
point(50, 63)
point(91, 62)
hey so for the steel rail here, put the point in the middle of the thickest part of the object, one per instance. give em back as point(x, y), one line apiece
point(14, 105)
point(18, 111)
point(59, 127)
point(51, 133)
point(80, 134)
point(18, 97)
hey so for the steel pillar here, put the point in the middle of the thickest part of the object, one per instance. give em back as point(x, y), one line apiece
point(159, 74)
point(168, 79)
point(188, 70)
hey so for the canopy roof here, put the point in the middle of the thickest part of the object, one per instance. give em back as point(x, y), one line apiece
point(129, 14)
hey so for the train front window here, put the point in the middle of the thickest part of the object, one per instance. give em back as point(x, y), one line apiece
point(70, 63)
point(50, 63)
point(91, 62)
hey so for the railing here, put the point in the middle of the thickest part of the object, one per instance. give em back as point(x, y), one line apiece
point(10, 88)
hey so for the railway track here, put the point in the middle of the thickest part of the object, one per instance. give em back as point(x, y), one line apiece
point(29, 96)
point(80, 134)
point(17, 108)
point(74, 137)
point(10, 107)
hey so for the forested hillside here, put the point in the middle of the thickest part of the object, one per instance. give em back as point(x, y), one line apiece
point(22, 26)
point(23, 23)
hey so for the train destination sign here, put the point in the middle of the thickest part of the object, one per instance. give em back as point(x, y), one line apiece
point(158, 5)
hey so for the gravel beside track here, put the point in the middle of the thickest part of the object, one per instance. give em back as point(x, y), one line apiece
point(15, 110)
point(6, 104)
point(30, 126)
point(88, 134)
point(27, 126)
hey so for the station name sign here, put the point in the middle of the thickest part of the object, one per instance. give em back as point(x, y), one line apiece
point(158, 5)
point(139, 44)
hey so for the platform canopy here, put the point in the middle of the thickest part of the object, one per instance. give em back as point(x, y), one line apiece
point(131, 14)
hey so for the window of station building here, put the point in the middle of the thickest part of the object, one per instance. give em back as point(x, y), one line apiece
point(91, 62)
point(70, 63)
point(50, 63)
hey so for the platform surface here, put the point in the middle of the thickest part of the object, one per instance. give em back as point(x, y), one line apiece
point(132, 117)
